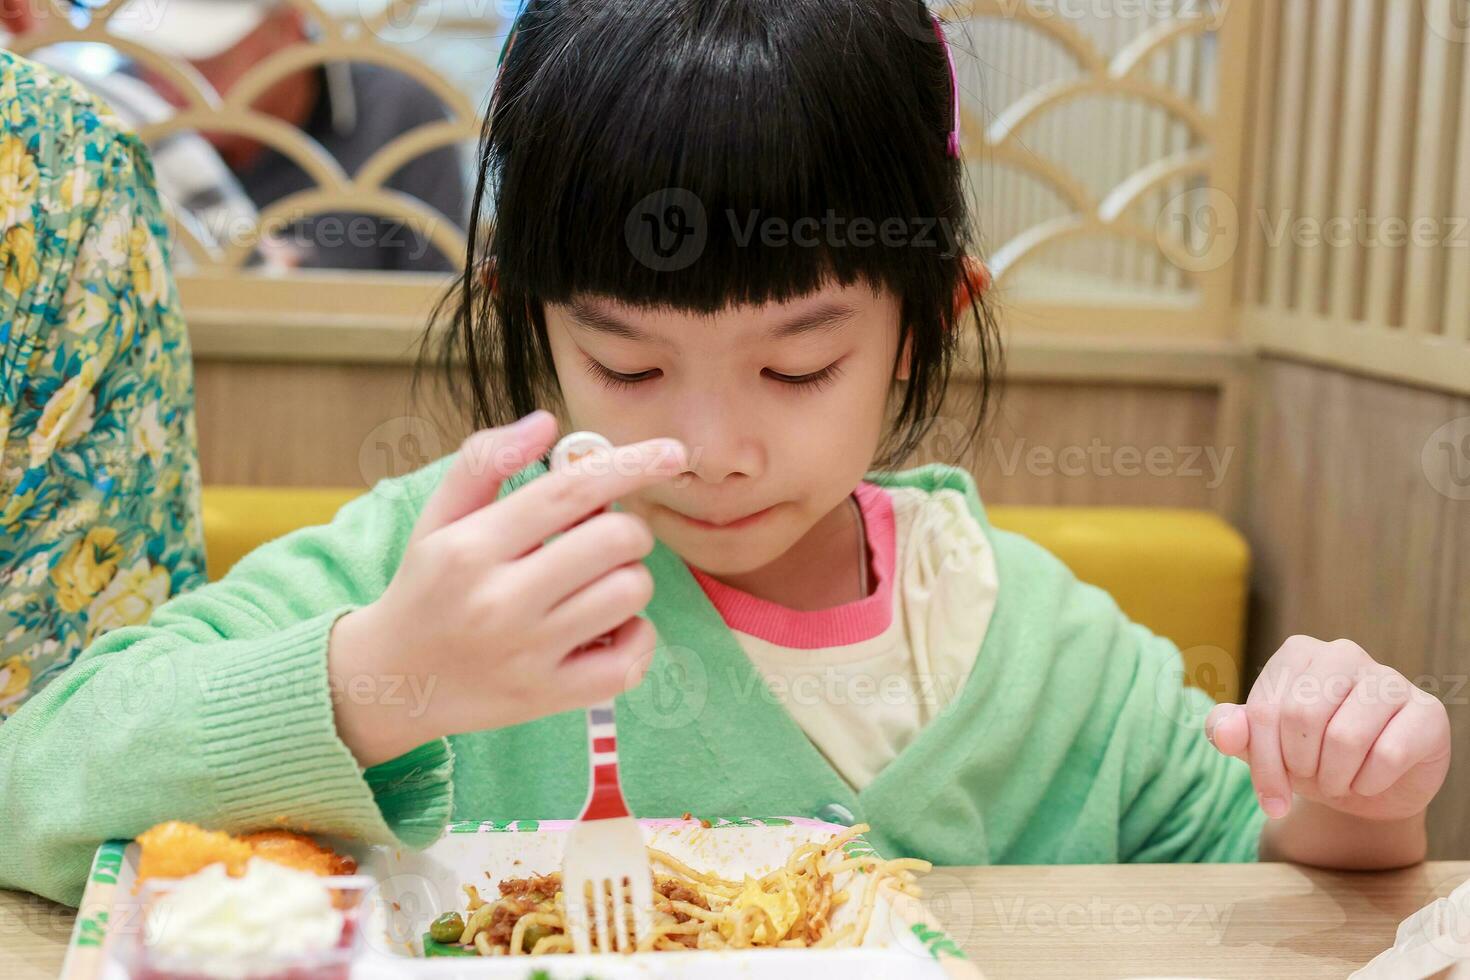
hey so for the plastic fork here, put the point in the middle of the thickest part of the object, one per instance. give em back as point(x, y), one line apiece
point(605, 853)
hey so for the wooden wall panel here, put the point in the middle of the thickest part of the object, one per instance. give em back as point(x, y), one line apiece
point(1112, 444)
point(1450, 655)
point(1351, 537)
point(1361, 138)
point(309, 424)
point(314, 424)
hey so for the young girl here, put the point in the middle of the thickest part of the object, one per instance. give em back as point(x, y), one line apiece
point(724, 233)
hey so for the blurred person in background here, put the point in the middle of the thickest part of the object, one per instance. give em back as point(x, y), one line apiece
point(351, 109)
point(206, 198)
point(99, 477)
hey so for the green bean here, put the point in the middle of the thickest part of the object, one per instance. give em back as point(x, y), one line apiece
point(447, 928)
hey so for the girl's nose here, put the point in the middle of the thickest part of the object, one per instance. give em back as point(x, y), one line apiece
point(721, 446)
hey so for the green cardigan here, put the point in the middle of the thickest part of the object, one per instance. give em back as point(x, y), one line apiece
point(1072, 741)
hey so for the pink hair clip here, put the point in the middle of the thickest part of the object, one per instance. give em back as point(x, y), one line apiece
point(954, 87)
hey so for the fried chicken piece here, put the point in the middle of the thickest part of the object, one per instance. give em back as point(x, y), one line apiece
point(298, 851)
point(176, 849)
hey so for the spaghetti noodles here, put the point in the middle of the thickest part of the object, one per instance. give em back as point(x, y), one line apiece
point(790, 906)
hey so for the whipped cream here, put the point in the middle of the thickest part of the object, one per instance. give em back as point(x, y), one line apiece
point(234, 927)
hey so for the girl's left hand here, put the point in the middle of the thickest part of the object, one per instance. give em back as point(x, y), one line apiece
point(1327, 722)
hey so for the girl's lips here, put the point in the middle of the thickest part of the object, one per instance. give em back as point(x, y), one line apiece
point(735, 525)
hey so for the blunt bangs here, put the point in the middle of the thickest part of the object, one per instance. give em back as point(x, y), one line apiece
point(696, 155)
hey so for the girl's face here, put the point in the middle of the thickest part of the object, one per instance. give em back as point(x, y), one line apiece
point(781, 408)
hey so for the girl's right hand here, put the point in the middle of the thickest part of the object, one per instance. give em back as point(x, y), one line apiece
point(489, 620)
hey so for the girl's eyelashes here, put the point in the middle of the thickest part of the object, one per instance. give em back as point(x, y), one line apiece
point(620, 381)
point(617, 380)
point(814, 381)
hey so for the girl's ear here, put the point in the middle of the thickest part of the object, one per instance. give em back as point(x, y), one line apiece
point(974, 284)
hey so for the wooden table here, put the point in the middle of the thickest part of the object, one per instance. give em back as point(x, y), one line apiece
point(1214, 920)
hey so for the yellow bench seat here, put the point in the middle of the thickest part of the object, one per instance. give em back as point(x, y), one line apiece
point(1181, 573)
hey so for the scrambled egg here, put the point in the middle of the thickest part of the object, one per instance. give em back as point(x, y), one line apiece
point(781, 907)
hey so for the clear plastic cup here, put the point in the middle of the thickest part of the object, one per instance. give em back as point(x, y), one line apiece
point(145, 961)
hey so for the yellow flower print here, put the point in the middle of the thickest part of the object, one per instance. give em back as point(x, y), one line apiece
point(81, 214)
point(18, 182)
point(86, 568)
point(18, 255)
point(75, 186)
point(87, 310)
point(67, 416)
point(148, 436)
point(145, 259)
point(32, 574)
point(129, 598)
point(10, 102)
point(156, 367)
point(15, 676)
point(167, 483)
point(16, 505)
point(126, 321)
point(75, 517)
point(109, 245)
point(152, 348)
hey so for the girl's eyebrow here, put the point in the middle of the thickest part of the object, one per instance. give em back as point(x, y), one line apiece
point(603, 322)
point(828, 316)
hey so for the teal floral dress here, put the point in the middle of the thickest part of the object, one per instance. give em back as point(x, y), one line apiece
point(99, 481)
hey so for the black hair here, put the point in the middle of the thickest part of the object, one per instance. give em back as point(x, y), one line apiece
point(630, 141)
